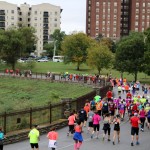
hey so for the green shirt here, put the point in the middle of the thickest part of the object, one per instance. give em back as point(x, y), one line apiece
point(34, 135)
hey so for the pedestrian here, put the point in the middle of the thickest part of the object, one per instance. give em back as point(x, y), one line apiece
point(78, 136)
point(96, 125)
point(109, 95)
point(52, 136)
point(90, 121)
point(34, 137)
point(142, 114)
point(106, 126)
point(148, 119)
point(122, 110)
point(105, 108)
point(135, 121)
point(82, 116)
point(71, 121)
point(112, 109)
point(87, 109)
point(1, 138)
point(116, 123)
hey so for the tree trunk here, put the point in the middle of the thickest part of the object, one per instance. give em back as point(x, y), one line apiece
point(135, 76)
point(13, 66)
point(78, 66)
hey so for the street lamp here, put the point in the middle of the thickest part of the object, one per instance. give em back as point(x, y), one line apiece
point(54, 52)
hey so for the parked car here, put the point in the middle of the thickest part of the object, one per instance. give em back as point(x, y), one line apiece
point(20, 61)
point(42, 60)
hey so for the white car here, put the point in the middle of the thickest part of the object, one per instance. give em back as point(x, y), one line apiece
point(20, 61)
point(42, 60)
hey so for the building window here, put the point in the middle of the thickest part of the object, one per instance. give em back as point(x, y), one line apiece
point(97, 22)
point(103, 22)
point(147, 24)
point(136, 23)
point(142, 29)
point(143, 17)
point(148, 4)
point(115, 10)
point(137, 17)
point(108, 35)
point(55, 25)
point(35, 24)
point(143, 4)
point(12, 17)
point(103, 16)
point(103, 10)
point(115, 3)
point(136, 29)
point(114, 35)
point(97, 3)
point(137, 11)
point(108, 29)
point(97, 10)
point(97, 17)
point(108, 23)
point(103, 29)
point(12, 11)
point(35, 18)
point(143, 23)
point(35, 12)
point(104, 3)
point(115, 16)
point(137, 4)
point(56, 13)
point(108, 11)
point(143, 10)
point(89, 31)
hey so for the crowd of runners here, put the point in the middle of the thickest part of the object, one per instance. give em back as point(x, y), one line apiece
point(110, 111)
point(130, 104)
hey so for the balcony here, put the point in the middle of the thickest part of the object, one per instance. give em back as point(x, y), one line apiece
point(45, 32)
point(45, 15)
point(2, 25)
point(2, 18)
point(45, 38)
point(45, 21)
point(2, 12)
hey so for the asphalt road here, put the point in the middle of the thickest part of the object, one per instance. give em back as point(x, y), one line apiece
point(67, 143)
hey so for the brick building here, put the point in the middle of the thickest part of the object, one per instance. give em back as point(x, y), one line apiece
point(116, 18)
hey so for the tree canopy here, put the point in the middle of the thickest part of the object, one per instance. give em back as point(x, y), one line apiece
point(99, 57)
point(14, 43)
point(130, 54)
point(75, 48)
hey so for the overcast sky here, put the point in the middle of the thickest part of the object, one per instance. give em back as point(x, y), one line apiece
point(73, 15)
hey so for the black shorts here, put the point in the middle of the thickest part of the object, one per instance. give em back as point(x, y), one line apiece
point(105, 112)
point(112, 112)
point(107, 130)
point(90, 124)
point(71, 129)
point(134, 131)
point(96, 127)
point(148, 119)
point(99, 112)
point(34, 145)
point(82, 120)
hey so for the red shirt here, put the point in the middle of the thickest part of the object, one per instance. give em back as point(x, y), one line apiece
point(129, 95)
point(109, 94)
point(53, 135)
point(134, 121)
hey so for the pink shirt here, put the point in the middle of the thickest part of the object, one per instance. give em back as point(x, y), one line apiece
point(142, 114)
point(71, 120)
point(96, 119)
point(52, 135)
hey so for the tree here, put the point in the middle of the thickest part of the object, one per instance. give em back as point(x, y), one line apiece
point(75, 48)
point(13, 44)
point(147, 51)
point(49, 47)
point(99, 57)
point(58, 36)
point(130, 54)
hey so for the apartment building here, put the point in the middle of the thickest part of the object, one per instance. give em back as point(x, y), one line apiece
point(116, 18)
point(45, 18)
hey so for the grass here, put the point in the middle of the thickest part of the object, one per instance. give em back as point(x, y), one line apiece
point(20, 94)
point(43, 67)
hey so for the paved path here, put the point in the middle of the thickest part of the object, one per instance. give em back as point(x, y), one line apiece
point(66, 143)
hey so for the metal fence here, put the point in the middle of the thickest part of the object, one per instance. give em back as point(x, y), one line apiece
point(24, 119)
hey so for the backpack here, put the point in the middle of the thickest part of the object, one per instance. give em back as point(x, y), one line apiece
point(105, 106)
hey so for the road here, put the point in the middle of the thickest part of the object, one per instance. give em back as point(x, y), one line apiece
point(66, 143)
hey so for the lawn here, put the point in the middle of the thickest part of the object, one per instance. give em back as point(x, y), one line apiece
point(43, 67)
point(20, 94)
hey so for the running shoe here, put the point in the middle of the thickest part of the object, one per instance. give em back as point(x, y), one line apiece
point(137, 143)
point(132, 144)
point(113, 143)
point(91, 136)
point(109, 140)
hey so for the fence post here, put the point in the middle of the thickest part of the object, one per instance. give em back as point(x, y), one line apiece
point(50, 113)
point(5, 118)
point(30, 118)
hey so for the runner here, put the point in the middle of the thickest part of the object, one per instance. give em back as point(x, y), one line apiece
point(1, 138)
point(96, 125)
point(52, 136)
point(148, 119)
point(71, 121)
point(90, 120)
point(105, 108)
point(122, 110)
point(142, 114)
point(135, 121)
point(116, 123)
point(87, 109)
point(34, 137)
point(82, 116)
point(99, 106)
point(112, 109)
point(106, 126)
point(109, 95)
point(78, 136)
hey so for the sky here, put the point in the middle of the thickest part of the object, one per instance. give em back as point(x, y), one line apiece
point(73, 17)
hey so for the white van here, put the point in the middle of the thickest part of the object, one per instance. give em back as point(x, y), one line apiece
point(58, 58)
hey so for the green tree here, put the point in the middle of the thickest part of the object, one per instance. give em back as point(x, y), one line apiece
point(130, 54)
point(99, 57)
point(147, 51)
point(75, 48)
point(49, 47)
point(13, 44)
point(58, 36)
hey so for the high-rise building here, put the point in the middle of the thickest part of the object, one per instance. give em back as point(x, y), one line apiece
point(45, 18)
point(116, 18)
